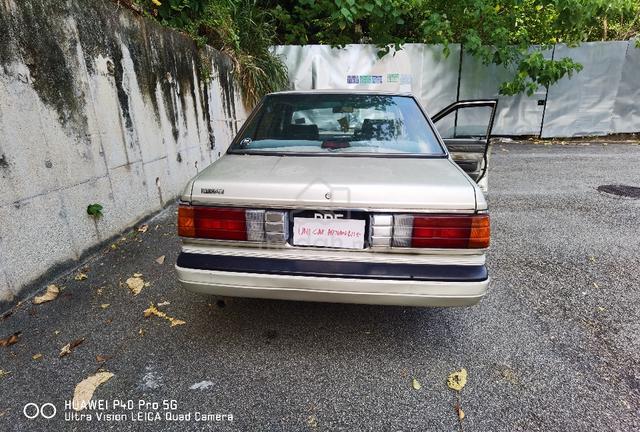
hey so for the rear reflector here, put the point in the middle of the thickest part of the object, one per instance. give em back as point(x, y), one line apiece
point(441, 231)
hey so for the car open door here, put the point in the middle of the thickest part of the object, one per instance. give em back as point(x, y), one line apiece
point(465, 127)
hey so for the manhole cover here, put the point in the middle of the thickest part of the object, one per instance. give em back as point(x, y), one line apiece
point(621, 190)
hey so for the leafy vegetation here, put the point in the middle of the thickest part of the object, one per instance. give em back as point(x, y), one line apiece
point(95, 210)
point(240, 28)
point(513, 33)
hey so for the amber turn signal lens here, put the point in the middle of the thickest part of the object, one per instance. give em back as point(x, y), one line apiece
point(186, 222)
point(480, 232)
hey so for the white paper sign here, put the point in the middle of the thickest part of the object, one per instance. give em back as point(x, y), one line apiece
point(335, 233)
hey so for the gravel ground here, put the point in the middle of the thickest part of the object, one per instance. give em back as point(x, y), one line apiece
point(555, 345)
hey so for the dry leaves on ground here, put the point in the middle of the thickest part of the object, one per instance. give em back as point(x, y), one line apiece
point(4, 373)
point(10, 340)
point(143, 228)
point(459, 411)
point(85, 388)
point(70, 346)
point(105, 305)
point(37, 356)
point(102, 358)
point(160, 259)
point(416, 384)
point(312, 421)
point(51, 293)
point(152, 310)
point(457, 379)
point(80, 276)
point(136, 283)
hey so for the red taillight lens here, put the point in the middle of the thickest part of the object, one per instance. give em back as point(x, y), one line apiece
point(212, 223)
point(442, 231)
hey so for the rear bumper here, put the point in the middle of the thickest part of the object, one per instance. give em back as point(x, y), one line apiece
point(331, 281)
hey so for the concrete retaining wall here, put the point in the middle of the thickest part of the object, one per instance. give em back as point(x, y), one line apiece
point(97, 105)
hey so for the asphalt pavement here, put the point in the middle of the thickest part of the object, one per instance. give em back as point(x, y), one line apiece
point(555, 346)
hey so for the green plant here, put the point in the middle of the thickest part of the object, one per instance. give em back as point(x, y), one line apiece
point(513, 33)
point(240, 28)
point(95, 210)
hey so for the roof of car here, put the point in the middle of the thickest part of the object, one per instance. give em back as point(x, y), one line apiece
point(343, 91)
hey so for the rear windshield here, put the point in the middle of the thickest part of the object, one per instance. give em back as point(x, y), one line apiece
point(338, 124)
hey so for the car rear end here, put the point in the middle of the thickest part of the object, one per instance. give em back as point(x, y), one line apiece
point(406, 259)
point(318, 217)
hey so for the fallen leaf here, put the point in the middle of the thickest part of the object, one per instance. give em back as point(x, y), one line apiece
point(143, 228)
point(152, 310)
point(164, 303)
point(4, 373)
point(141, 332)
point(36, 356)
point(114, 246)
point(135, 284)
point(105, 305)
point(457, 379)
point(70, 346)
point(80, 276)
point(202, 385)
point(508, 374)
point(595, 285)
point(85, 388)
point(10, 340)
point(102, 358)
point(160, 259)
point(312, 421)
point(51, 293)
point(56, 332)
point(416, 384)
point(601, 309)
point(459, 411)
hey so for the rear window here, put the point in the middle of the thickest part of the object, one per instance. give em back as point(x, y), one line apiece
point(338, 124)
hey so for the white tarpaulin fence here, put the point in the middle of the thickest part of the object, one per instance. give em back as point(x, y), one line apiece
point(604, 98)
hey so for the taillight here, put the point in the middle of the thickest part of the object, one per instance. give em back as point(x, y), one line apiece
point(213, 223)
point(226, 223)
point(441, 231)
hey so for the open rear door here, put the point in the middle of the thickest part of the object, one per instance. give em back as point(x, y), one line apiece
point(465, 127)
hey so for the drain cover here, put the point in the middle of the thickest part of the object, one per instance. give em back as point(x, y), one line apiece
point(621, 190)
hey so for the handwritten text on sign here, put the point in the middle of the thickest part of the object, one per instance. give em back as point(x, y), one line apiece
point(336, 233)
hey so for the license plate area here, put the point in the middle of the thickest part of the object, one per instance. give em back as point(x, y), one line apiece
point(329, 229)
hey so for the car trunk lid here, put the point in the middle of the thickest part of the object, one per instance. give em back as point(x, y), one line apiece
point(334, 182)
